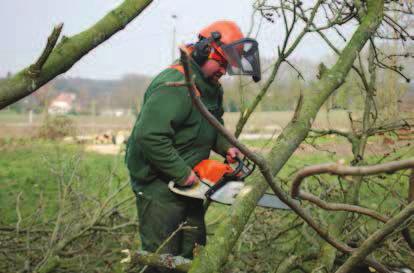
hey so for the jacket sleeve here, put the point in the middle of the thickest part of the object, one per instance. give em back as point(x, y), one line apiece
point(165, 109)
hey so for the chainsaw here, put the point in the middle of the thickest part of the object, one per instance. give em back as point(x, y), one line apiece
point(222, 182)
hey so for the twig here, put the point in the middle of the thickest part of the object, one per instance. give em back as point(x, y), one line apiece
point(19, 215)
point(284, 53)
point(298, 107)
point(296, 69)
point(35, 69)
point(114, 228)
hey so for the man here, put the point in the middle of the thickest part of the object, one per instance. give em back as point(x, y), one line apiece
point(170, 137)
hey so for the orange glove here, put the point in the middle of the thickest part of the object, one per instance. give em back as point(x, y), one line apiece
point(232, 153)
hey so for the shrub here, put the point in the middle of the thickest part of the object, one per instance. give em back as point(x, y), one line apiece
point(57, 127)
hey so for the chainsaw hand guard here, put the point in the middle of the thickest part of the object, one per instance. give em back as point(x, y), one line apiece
point(244, 168)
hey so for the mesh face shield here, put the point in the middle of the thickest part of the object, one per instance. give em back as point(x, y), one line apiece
point(243, 58)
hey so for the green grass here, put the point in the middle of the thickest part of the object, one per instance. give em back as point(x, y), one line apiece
point(32, 173)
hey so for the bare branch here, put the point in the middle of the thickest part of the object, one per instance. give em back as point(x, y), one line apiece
point(337, 169)
point(284, 53)
point(68, 52)
point(341, 207)
point(296, 69)
point(35, 69)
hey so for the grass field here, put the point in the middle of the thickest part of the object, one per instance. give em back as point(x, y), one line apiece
point(35, 167)
point(35, 174)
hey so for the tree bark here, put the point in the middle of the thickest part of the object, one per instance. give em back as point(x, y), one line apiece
point(218, 248)
point(69, 51)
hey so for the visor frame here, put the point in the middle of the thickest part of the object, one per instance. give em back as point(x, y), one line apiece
point(238, 58)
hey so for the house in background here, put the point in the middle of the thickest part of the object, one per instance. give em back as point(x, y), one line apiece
point(62, 104)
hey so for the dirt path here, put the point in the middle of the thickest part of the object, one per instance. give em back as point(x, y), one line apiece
point(107, 149)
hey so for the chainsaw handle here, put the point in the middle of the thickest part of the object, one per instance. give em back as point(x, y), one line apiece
point(245, 167)
point(239, 167)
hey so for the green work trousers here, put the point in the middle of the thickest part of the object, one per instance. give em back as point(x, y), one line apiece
point(160, 213)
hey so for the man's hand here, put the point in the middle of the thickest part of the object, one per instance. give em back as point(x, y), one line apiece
point(191, 179)
point(232, 153)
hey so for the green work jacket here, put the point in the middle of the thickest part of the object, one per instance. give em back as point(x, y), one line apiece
point(170, 136)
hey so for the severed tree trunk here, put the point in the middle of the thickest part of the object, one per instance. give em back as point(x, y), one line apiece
point(70, 50)
point(218, 248)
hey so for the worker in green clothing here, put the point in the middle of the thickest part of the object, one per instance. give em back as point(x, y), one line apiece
point(170, 137)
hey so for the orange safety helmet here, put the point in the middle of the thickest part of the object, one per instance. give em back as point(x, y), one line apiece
point(229, 31)
point(240, 53)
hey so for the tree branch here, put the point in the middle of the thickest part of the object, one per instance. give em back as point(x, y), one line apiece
point(68, 52)
point(336, 169)
point(158, 260)
point(341, 207)
point(35, 69)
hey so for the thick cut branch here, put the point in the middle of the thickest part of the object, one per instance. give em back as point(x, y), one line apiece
point(216, 251)
point(291, 263)
point(68, 52)
point(158, 260)
point(375, 239)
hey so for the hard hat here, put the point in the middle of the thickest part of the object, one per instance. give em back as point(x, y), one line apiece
point(228, 30)
point(228, 42)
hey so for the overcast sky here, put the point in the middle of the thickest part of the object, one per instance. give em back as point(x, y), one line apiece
point(143, 47)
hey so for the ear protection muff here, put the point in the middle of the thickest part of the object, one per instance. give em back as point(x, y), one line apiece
point(202, 48)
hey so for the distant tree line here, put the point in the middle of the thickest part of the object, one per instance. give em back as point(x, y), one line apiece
point(96, 96)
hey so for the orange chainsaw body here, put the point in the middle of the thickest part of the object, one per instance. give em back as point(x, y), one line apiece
point(212, 170)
